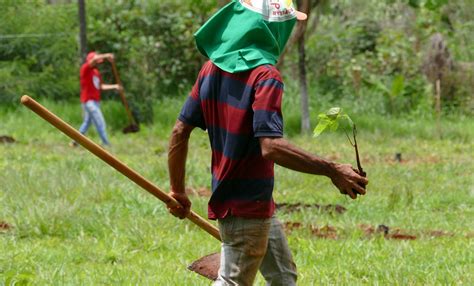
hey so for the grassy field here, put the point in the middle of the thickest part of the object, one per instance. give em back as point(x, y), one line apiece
point(72, 220)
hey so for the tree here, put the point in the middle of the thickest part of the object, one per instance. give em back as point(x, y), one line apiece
point(82, 29)
point(304, 6)
point(437, 66)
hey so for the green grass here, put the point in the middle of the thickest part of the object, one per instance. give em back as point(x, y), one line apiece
point(78, 222)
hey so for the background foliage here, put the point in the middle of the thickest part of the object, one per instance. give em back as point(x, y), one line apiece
point(366, 55)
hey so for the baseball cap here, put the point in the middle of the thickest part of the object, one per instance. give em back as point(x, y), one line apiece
point(90, 56)
point(274, 10)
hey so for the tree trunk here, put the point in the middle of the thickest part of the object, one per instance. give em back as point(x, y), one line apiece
point(438, 107)
point(305, 122)
point(310, 5)
point(82, 29)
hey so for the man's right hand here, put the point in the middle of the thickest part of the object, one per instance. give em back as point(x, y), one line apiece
point(348, 181)
point(185, 208)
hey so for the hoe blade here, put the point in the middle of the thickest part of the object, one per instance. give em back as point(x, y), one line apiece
point(132, 128)
point(207, 266)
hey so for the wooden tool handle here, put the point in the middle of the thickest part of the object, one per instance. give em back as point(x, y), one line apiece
point(122, 93)
point(114, 162)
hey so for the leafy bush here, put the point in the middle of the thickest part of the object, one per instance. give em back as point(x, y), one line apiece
point(363, 54)
point(38, 52)
point(369, 54)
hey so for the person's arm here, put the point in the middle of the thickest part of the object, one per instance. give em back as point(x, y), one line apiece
point(283, 153)
point(99, 58)
point(110, 86)
point(177, 153)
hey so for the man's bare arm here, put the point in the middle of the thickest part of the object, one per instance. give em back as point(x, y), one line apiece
point(177, 153)
point(283, 153)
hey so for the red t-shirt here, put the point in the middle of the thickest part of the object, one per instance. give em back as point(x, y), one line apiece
point(90, 83)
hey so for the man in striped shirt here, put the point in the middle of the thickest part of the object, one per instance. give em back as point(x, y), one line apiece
point(237, 99)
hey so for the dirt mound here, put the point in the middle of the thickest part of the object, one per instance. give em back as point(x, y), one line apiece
point(394, 233)
point(331, 232)
point(289, 226)
point(7, 139)
point(327, 231)
point(438, 233)
point(299, 206)
point(369, 231)
point(5, 226)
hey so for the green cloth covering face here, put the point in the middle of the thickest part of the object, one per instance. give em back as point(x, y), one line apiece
point(237, 39)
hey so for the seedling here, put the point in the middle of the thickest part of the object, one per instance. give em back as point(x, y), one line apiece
point(331, 120)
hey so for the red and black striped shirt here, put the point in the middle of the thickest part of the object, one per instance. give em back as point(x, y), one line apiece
point(237, 109)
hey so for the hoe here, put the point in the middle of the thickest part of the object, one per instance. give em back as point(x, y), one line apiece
point(133, 126)
point(208, 265)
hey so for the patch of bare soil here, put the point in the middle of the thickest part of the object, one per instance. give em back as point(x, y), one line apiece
point(388, 233)
point(5, 226)
point(401, 236)
point(327, 231)
point(299, 206)
point(290, 226)
point(439, 233)
point(7, 139)
point(369, 229)
point(201, 192)
point(330, 232)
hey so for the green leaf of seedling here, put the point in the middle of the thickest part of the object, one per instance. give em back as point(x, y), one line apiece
point(331, 120)
point(323, 123)
point(334, 125)
point(333, 113)
point(348, 123)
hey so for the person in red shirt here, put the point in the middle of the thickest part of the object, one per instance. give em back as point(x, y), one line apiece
point(91, 86)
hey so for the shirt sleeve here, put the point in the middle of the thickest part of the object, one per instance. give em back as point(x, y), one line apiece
point(267, 117)
point(191, 112)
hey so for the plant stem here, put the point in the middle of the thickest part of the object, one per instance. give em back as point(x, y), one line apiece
point(359, 166)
